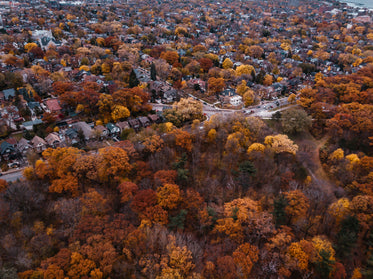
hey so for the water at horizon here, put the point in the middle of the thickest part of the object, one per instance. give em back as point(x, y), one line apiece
point(360, 3)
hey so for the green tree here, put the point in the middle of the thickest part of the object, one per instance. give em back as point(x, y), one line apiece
point(368, 270)
point(325, 264)
point(177, 222)
point(133, 81)
point(246, 171)
point(347, 236)
point(247, 168)
point(153, 72)
point(294, 121)
point(279, 212)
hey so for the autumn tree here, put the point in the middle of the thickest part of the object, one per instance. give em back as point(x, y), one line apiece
point(168, 196)
point(127, 190)
point(179, 261)
point(119, 113)
point(339, 209)
point(143, 199)
point(291, 98)
point(215, 85)
point(248, 98)
point(300, 255)
point(255, 51)
point(187, 109)
point(227, 63)
point(93, 203)
point(134, 99)
point(113, 163)
point(105, 105)
point(245, 256)
point(80, 266)
point(183, 139)
point(3, 185)
point(245, 70)
point(296, 205)
point(206, 64)
point(170, 56)
point(281, 143)
point(153, 144)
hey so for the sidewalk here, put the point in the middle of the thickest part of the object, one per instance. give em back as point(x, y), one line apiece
point(13, 170)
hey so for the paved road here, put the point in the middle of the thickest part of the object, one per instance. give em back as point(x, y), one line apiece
point(13, 176)
point(265, 110)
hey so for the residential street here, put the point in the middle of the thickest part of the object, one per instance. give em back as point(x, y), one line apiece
point(13, 175)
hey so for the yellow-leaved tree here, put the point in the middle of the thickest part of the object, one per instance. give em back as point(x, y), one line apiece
point(281, 143)
point(227, 63)
point(119, 112)
point(339, 209)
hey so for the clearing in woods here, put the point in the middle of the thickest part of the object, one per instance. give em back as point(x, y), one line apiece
point(308, 154)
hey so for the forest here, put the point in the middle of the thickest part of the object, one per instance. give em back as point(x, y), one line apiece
point(228, 197)
point(205, 186)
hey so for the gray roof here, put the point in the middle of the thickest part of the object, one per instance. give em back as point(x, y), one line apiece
point(32, 123)
point(9, 93)
point(23, 144)
point(111, 126)
point(85, 128)
point(6, 146)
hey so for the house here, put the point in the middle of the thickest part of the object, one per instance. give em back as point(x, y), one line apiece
point(27, 94)
point(9, 94)
point(7, 150)
point(145, 122)
point(62, 125)
point(53, 140)
point(12, 141)
point(154, 118)
point(142, 75)
point(236, 100)
point(228, 92)
point(197, 84)
point(23, 146)
point(34, 107)
point(85, 128)
point(53, 106)
point(72, 136)
point(113, 129)
point(38, 144)
point(123, 125)
point(170, 95)
point(46, 42)
point(29, 125)
point(134, 124)
point(102, 131)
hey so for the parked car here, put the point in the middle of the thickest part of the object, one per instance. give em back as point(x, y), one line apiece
point(14, 165)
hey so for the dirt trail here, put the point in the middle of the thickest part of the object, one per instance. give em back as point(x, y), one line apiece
point(308, 154)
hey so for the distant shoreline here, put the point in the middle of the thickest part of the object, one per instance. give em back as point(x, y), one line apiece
point(359, 3)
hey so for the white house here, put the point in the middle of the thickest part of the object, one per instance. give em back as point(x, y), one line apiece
point(236, 100)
